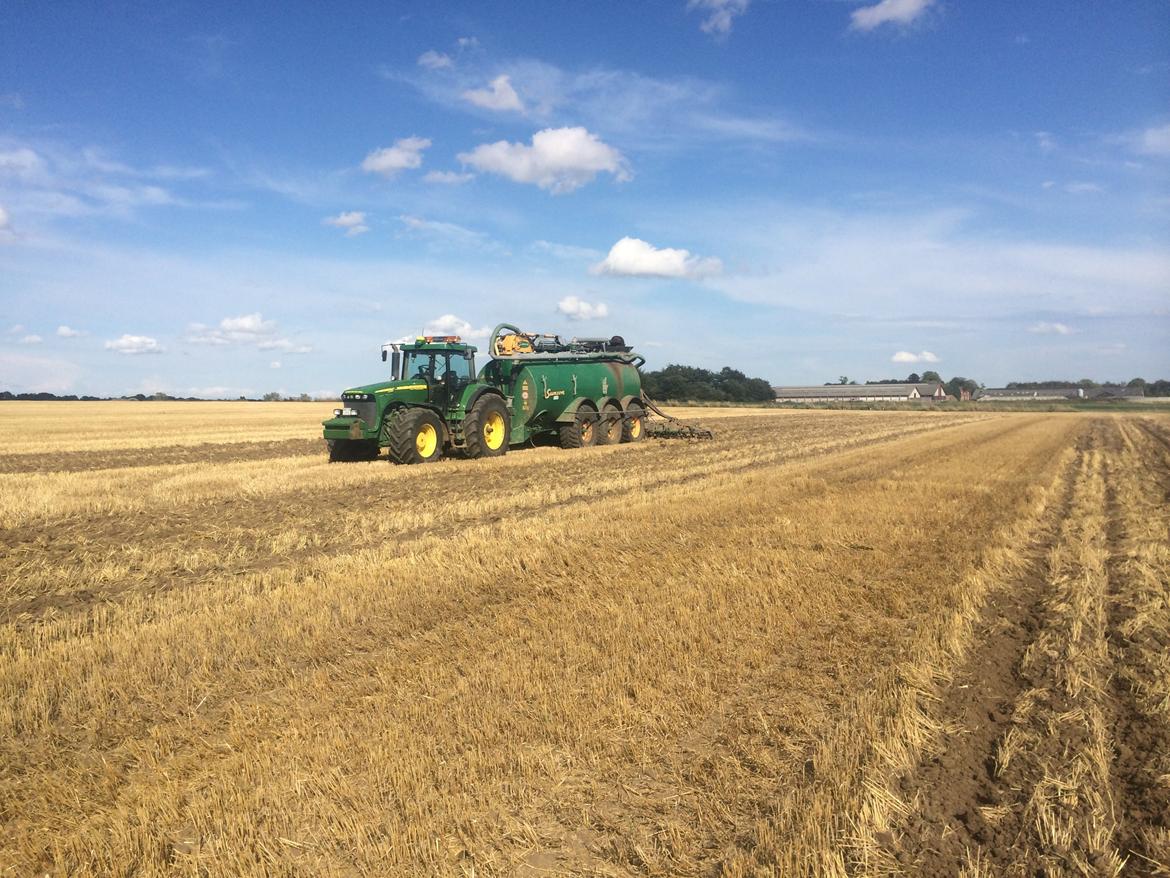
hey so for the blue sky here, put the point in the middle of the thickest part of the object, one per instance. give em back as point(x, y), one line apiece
point(226, 199)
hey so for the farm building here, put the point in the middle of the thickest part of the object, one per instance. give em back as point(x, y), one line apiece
point(862, 393)
point(1011, 394)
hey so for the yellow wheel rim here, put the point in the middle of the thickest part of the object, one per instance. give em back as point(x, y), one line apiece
point(493, 431)
point(635, 428)
point(587, 432)
point(426, 440)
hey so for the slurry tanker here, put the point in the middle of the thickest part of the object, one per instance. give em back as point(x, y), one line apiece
point(583, 391)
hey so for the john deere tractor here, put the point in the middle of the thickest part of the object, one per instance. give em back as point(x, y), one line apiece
point(582, 391)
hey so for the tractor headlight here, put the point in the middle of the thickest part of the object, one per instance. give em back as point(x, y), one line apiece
point(349, 413)
point(337, 413)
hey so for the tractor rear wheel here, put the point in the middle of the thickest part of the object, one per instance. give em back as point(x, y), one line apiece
point(634, 426)
point(609, 428)
point(582, 432)
point(486, 431)
point(415, 435)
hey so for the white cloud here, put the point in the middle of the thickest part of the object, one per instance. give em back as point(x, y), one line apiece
point(31, 339)
point(3, 218)
point(1044, 328)
point(275, 364)
point(559, 159)
point(888, 11)
point(720, 14)
point(578, 309)
point(1080, 187)
point(16, 329)
point(433, 60)
point(448, 178)
point(498, 96)
point(569, 252)
point(69, 332)
point(406, 153)
point(245, 329)
point(633, 257)
point(6, 232)
point(1154, 141)
point(467, 42)
point(353, 221)
point(449, 324)
point(134, 344)
point(908, 357)
point(1045, 142)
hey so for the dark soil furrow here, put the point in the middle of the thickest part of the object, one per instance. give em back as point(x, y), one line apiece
point(170, 455)
point(949, 791)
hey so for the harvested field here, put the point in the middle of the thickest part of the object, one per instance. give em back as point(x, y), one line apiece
point(827, 643)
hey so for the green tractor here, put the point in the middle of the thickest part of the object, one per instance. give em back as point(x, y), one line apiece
point(582, 392)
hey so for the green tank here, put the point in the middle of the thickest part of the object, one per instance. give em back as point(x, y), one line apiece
point(580, 392)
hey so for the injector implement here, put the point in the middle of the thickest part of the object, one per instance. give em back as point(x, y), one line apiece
point(583, 391)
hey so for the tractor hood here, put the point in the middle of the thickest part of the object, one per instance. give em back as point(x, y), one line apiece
point(383, 389)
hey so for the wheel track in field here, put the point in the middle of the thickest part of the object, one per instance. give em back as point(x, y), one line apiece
point(949, 789)
point(82, 535)
point(167, 455)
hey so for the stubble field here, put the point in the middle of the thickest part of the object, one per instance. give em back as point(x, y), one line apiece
point(826, 643)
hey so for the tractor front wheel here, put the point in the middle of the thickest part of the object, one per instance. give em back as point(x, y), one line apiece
point(486, 431)
point(415, 435)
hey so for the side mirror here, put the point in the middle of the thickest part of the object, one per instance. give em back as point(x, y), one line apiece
point(395, 361)
point(383, 355)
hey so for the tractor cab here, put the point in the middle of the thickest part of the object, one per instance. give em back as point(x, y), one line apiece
point(442, 366)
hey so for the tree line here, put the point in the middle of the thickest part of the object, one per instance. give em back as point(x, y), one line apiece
point(690, 382)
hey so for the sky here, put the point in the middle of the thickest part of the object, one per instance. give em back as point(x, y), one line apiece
point(223, 199)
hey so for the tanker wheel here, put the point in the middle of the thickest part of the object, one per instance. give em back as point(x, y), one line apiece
point(634, 426)
point(609, 427)
point(582, 432)
point(486, 431)
point(415, 436)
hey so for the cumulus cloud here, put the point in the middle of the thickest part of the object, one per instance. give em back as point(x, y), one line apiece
point(720, 14)
point(888, 11)
point(578, 309)
point(499, 95)
point(353, 221)
point(633, 257)
point(1044, 328)
point(910, 357)
point(275, 364)
point(559, 159)
point(31, 339)
point(1154, 141)
point(406, 153)
point(134, 344)
point(69, 332)
point(247, 329)
point(448, 178)
point(449, 324)
point(467, 42)
point(433, 60)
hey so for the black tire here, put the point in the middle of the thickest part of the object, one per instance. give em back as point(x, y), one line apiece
point(349, 450)
point(582, 432)
point(634, 425)
point(407, 435)
point(609, 427)
point(486, 429)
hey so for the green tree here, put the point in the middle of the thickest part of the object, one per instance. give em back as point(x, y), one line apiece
point(271, 396)
point(929, 376)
